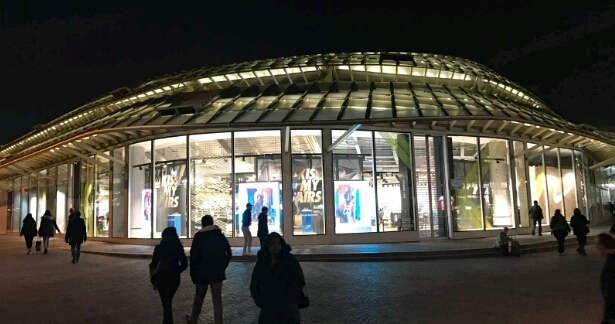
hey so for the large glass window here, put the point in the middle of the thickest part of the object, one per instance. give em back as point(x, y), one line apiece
point(258, 178)
point(25, 201)
point(522, 194)
point(580, 181)
point(308, 198)
point(117, 194)
point(495, 177)
point(140, 190)
point(52, 192)
point(170, 182)
point(394, 181)
point(554, 181)
point(569, 194)
point(355, 203)
point(101, 197)
point(465, 189)
point(17, 204)
point(87, 178)
point(42, 192)
point(537, 179)
point(32, 184)
point(211, 181)
point(61, 196)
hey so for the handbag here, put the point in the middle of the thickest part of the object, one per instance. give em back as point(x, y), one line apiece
point(154, 274)
point(303, 301)
point(38, 245)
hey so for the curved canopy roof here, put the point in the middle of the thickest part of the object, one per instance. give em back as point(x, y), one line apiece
point(416, 90)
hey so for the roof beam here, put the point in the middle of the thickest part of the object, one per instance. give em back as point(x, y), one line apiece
point(470, 124)
point(87, 158)
point(515, 129)
point(97, 152)
point(487, 125)
point(343, 137)
point(504, 124)
point(603, 163)
point(548, 135)
point(537, 146)
point(529, 128)
point(551, 148)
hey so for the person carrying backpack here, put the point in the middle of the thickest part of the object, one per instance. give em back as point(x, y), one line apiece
point(210, 255)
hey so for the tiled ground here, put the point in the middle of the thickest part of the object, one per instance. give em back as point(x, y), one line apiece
point(536, 288)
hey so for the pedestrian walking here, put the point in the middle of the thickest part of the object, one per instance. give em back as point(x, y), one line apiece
point(579, 223)
point(537, 217)
point(76, 235)
point(28, 231)
point(606, 247)
point(210, 255)
point(263, 225)
point(559, 229)
point(47, 228)
point(168, 262)
point(277, 282)
point(246, 221)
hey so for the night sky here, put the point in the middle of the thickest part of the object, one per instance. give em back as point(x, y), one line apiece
point(56, 57)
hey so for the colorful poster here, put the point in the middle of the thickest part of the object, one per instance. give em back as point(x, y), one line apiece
point(260, 194)
point(146, 200)
point(354, 207)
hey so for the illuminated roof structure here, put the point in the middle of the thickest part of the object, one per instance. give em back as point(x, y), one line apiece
point(406, 90)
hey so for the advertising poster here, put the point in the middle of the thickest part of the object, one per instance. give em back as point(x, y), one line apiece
point(142, 223)
point(354, 207)
point(260, 194)
point(170, 197)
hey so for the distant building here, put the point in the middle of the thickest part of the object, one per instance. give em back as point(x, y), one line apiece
point(342, 148)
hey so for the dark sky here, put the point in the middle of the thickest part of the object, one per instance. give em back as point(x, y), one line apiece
point(56, 57)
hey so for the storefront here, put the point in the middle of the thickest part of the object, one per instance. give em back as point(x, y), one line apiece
point(335, 158)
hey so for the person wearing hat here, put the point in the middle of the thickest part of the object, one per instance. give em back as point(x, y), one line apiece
point(246, 221)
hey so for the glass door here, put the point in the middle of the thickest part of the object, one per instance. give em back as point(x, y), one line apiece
point(430, 186)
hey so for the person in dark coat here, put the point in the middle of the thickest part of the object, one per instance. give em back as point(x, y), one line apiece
point(168, 262)
point(47, 228)
point(28, 231)
point(536, 216)
point(560, 229)
point(210, 255)
point(606, 246)
point(277, 282)
point(263, 225)
point(76, 235)
point(579, 222)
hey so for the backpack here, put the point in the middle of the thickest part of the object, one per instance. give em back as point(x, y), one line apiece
point(215, 252)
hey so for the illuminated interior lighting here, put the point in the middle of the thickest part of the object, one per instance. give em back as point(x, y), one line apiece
point(150, 93)
point(166, 88)
point(158, 90)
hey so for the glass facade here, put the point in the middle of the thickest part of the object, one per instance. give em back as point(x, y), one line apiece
point(380, 182)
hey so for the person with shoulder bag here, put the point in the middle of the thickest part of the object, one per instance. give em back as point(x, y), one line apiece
point(47, 228)
point(168, 262)
point(560, 229)
point(579, 223)
point(278, 283)
point(28, 231)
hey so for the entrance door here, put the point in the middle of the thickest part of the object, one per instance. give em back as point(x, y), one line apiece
point(430, 186)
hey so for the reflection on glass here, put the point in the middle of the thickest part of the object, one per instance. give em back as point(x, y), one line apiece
point(422, 186)
point(495, 178)
point(117, 195)
point(554, 182)
point(17, 204)
point(210, 181)
point(465, 192)
point(521, 180)
point(569, 194)
point(580, 181)
point(170, 185)
point(355, 203)
point(258, 178)
point(88, 192)
point(308, 199)
point(140, 200)
point(537, 182)
point(393, 178)
point(101, 198)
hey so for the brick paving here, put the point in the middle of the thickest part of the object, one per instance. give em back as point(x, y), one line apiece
point(536, 288)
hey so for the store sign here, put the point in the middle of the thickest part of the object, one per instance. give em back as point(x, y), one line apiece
point(169, 183)
point(309, 189)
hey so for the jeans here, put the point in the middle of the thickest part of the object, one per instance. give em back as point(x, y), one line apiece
point(561, 238)
point(539, 222)
point(167, 289)
point(247, 238)
point(46, 242)
point(29, 239)
point(261, 239)
point(75, 251)
point(199, 297)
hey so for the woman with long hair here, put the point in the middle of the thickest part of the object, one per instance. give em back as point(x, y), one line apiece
point(579, 223)
point(277, 282)
point(28, 231)
point(47, 228)
point(168, 262)
point(559, 229)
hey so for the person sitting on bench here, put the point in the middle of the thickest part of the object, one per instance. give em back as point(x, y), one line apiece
point(502, 241)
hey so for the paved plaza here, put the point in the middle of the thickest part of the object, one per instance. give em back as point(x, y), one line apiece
point(535, 288)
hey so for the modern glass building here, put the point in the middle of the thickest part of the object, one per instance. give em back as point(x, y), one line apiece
point(342, 148)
